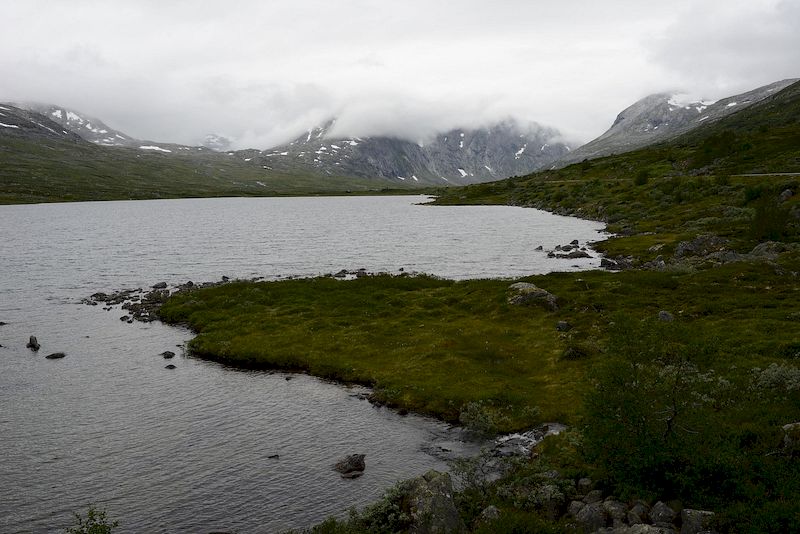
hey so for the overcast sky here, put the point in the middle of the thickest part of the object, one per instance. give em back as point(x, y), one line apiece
point(261, 71)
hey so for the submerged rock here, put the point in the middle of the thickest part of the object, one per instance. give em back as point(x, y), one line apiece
point(160, 285)
point(170, 366)
point(167, 354)
point(55, 356)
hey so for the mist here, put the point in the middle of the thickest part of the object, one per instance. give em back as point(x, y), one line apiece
point(261, 73)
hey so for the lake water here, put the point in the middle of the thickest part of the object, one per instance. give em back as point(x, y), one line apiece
point(188, 450)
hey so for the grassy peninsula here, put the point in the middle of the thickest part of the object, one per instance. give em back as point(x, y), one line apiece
point(686, 405)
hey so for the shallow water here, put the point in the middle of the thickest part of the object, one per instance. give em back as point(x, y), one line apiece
point(188, 450)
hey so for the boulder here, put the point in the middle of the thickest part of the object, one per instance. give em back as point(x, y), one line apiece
point(786, 195)
point(616, 511)
point(665, 316)
point(575, 254)
point(791, 438)
point(696, 521)
point(592, 517)
point(593, 497)
point(662, 514)
point(638, 513)
point(3, 323)
point(353, 463)
point(170, 366)
point(431, 505)
point(55, 356)
point(574, 242)
point(489, 514)
point(539, 248)
point(167, 354)
point(585, 485)
point(525, 294)
point(574, 507)
point(160, 285)
point(769, 249)
point(563, 326)
point(702, 245)
point(33, 344)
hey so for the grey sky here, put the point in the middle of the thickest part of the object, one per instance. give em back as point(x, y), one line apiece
point(261, 71)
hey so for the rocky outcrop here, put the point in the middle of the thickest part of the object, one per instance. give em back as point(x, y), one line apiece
point(702, 245)
point(526, 294)
point(33, 344)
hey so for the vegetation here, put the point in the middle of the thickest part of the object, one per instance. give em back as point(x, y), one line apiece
point(96, 522)
point(49, 170)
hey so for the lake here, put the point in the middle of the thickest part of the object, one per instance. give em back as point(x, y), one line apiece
point(192, 449)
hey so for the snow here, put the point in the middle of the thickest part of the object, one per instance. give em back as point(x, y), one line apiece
point(731, 104)
point(103, 131)
point(8, 125)
point(157, 148)
point(488, 168)
point(353, 143)
point(248, 159)
point(45, 127)
point(309, 136)
point(118, 135)
point(284, 153)
point(414, 177)
point(401, 178)
point(73, 117)
point(335, 147)
point(56, 113)
point(520, 151)
point(463, 172)
point(543, 147)
point(4, 108)
point(700, 108)
point(323, 148)
point(702, 119)
point(461, 144)
point(462, 134)
point(262, 184)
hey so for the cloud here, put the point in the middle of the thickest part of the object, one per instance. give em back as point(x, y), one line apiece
point(262, 72)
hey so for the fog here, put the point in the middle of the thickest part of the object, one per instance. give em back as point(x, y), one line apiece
point(261, 72)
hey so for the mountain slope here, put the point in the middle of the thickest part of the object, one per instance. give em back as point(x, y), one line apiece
point(456, 157)
point(664, 116)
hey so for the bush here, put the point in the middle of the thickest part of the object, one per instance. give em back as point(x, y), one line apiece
point(96, 522)
point(770, 221)
point(642, 177)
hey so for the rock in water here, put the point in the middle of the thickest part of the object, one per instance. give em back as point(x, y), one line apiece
point(170, 366)
point(167, 354)
point(160, 285)
point(33, 344)
point(351, 466)
point(55, 356)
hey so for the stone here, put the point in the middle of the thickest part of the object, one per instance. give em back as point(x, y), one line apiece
point(55, 356)
point(661, 513)
point(786, 195)
point(167, 354)
point(2, 323)
point(489, 514)
point(696, 521)
point(431, 505)
point(563, 326)
point(125, 318)
point(593, 497)
point(574, 242)
point(574, 507)
point(33, 344)
point(170, 366)
point(585, 485)
point(791, 438)
point(702, 245)
point(575, 254)
point(160, 285)
point(524, 293)
point(638, 513)
point(539, 248)
point(350, 464)
point(665, 316)
point(616, 511)
point(592, 517)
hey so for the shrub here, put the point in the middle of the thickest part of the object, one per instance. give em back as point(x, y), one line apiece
point(642, 177)
point(96, 522)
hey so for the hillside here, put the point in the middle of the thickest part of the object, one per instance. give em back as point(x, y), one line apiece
point(661, 117)
point(42, 162)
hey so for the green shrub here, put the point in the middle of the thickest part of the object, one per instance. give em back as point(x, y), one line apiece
point(96, 522)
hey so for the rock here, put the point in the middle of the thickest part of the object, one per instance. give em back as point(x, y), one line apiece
point(665, 316)
point(170, 366)
point(574, 242)
point(350, 464)
point(33, 344)
point(539, 248)
point(224, 279)
point(550, 500)
point(160, 285)
point(574, 507)
point(638, 513)
point(563, 326)
point(616, 511)
point(55, 356)
point(2, 323)
point(702, 245)
point(341, 274)
point(575, 254)
point(167, 354)
point(585, 485)
point(489, 514)
point(125, 318)
point(791, 438)
point(786, 195)
point(695, 521)
point(593, 497)
point(431, 505)
point(769, 249)
point(274, 456)
point(524, 293)
point(592, 517)
point(662, 514)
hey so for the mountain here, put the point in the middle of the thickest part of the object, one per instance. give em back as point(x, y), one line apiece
point(217, 142)
point(89, 128)
point(22, 123)
point(661, 117)
point(460, 156)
